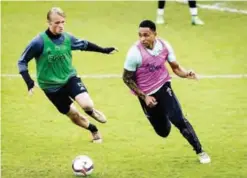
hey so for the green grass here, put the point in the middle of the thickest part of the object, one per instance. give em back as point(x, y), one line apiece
point(39, 142)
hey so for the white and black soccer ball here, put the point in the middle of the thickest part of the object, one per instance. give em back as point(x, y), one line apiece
point(82, 165)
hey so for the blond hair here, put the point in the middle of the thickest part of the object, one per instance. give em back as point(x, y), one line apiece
point(56, 10)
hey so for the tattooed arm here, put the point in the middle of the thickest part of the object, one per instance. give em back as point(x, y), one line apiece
point(128, 80)
point(132, 62)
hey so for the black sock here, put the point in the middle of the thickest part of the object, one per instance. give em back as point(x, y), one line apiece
point(89, 112)
point(189, 133)
point(161, 4)
point(92, 128)
point(192, 4)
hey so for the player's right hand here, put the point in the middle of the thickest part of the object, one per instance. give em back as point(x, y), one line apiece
point(191, 75)
point(150, 101)
point(31, 89)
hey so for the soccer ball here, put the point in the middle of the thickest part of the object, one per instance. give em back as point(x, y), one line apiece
point(82, 165)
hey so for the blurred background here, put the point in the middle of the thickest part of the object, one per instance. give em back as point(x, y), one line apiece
point(39, 142)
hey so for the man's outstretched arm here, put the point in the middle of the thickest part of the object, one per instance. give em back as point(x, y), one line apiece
point(84, 45)
point(181, 72)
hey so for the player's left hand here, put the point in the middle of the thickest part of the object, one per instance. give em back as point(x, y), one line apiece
point(110, 50)
point(191, 75)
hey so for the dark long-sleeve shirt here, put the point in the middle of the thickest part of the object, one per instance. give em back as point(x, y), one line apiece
point(35, 48)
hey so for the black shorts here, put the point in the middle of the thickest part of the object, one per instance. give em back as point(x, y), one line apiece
point(167, 110)
point(62, 98)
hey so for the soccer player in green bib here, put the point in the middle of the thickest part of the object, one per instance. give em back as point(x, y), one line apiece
point(55, 74)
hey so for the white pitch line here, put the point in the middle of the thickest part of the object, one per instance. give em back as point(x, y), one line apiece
point(216, 6)
point(226, 9)
point(105, 76)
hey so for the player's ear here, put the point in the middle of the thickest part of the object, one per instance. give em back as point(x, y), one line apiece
point(48, 22)
point(155, 33)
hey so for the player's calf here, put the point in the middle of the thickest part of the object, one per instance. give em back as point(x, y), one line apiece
point(77, 118)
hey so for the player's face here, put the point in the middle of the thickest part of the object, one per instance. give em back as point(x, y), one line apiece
point(56, 23)
point(147, 37)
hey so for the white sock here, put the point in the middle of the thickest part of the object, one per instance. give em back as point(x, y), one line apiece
point(193, 11)
point(160, 11)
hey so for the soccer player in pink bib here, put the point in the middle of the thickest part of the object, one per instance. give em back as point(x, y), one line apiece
point(146, 75)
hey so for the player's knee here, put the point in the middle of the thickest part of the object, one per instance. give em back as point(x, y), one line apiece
point(63, 109)
point(87, 105)
point(85, 102)
point(163, 132)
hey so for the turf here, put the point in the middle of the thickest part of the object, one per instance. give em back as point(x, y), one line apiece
point(39, 142)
